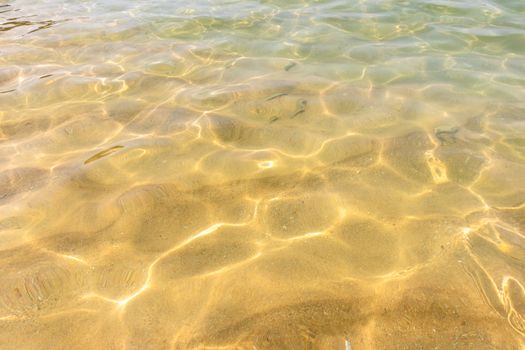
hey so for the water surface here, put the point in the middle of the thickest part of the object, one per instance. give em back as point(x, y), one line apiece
point(262, 174)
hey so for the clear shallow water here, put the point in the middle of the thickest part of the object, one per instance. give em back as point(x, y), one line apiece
point(262, 174)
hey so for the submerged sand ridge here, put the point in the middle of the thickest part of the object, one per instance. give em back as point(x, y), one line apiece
point(207, 182)
point(268, 235)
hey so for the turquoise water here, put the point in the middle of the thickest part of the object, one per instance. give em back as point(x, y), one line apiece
point(262, 174)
